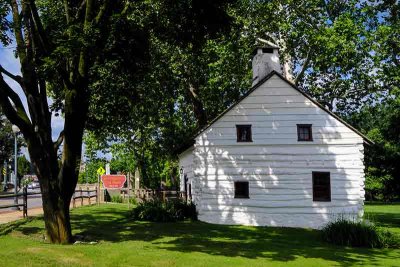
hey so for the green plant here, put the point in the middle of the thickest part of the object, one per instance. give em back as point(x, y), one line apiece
point(116, 199)
point(358, 234)
point(133, 201)
point(169, 211)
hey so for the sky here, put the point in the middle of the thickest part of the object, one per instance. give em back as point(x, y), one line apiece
point(11, 64)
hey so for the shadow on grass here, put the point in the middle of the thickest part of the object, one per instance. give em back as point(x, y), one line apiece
point(278, 244)
point(385, 215)
point(7, 228)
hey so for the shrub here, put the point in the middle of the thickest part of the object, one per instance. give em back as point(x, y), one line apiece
point(133, 200)
point(168, 211)
point(358, 234)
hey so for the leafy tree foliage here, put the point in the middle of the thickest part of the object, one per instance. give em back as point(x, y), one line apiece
point(6, 140)
point(24, 166)
point(381, 122)
point(380, 119)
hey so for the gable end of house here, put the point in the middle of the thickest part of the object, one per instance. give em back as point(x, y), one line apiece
point(255, 87)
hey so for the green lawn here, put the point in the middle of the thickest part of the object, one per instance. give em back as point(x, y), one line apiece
point(126, 243)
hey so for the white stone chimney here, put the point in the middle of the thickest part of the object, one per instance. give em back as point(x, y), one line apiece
point(265, 60)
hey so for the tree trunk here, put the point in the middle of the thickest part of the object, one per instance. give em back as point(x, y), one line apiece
point(57, 219)
point(198, 107)
point(55, 197)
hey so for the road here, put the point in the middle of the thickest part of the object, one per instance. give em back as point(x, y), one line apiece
point(34, 201)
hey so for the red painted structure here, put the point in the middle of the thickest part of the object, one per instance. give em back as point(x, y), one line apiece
point(113, 181)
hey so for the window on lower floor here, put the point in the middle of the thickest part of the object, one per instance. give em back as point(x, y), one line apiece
point(241, 189)
point(321, 186)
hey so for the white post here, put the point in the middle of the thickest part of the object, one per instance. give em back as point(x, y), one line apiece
point(15, 130)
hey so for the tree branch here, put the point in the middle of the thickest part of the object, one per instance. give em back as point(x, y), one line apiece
point(18, 31)
point(59, 141)
point(126, 8)
point(304, 67)
point(16, 114)
point(67, 11)
point(46, 46)
point(80, 9)
point(100, 15)
point(16, 78)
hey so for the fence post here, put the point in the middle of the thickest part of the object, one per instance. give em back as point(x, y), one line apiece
point(80, 188)
point(97, 201)
point(88, 194)
point(73, 199)
point(25, 200)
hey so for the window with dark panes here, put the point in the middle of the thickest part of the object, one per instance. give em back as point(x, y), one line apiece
point(304, 132)
point(241, 189)
point(243, 133)
point(321, 186)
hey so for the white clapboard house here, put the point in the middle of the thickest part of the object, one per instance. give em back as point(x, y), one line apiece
point(277, 157)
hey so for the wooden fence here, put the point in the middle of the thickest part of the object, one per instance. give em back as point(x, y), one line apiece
point(147, 194)
point(79, 194)
point(84, 194)
point(24, 203)
point(89, 193)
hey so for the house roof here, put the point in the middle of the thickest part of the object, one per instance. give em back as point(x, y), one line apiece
point(191, 142)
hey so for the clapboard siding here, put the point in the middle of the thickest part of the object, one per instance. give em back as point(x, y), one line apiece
point(259, 171)
point(306, 220)
point(221, 185)
point(275, 124)
point(279, 197)
point(277, 166)
point(304, 148)
point(278, 157)
point(281, 209)
point(186, 164)
point(288, 129)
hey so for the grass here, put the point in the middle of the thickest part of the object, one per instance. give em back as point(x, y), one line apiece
point(126, 243)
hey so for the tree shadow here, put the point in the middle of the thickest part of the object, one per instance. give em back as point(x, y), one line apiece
point(388, 220)
point(269, 243)
point(31, 230)
point(7, 228)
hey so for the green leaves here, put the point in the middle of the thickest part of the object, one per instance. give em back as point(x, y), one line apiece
point(5, 24)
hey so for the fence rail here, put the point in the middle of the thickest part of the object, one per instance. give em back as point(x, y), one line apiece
point(79, 195)
point(146, 194)
point(24, 203)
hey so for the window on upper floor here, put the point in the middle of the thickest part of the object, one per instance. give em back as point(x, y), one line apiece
point(304, 132)
point(321, 186)
point(243, 133)
point(241, 189)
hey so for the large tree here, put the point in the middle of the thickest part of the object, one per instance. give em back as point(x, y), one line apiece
point(57, 43)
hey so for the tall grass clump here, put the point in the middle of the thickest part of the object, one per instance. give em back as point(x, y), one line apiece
point(117, 199)
point(164, 211)
point(353, 233)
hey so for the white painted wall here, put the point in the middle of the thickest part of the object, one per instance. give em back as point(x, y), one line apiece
point(278, 167)
point(186, 165)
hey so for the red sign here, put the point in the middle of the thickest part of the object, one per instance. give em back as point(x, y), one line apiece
point(113, 181)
